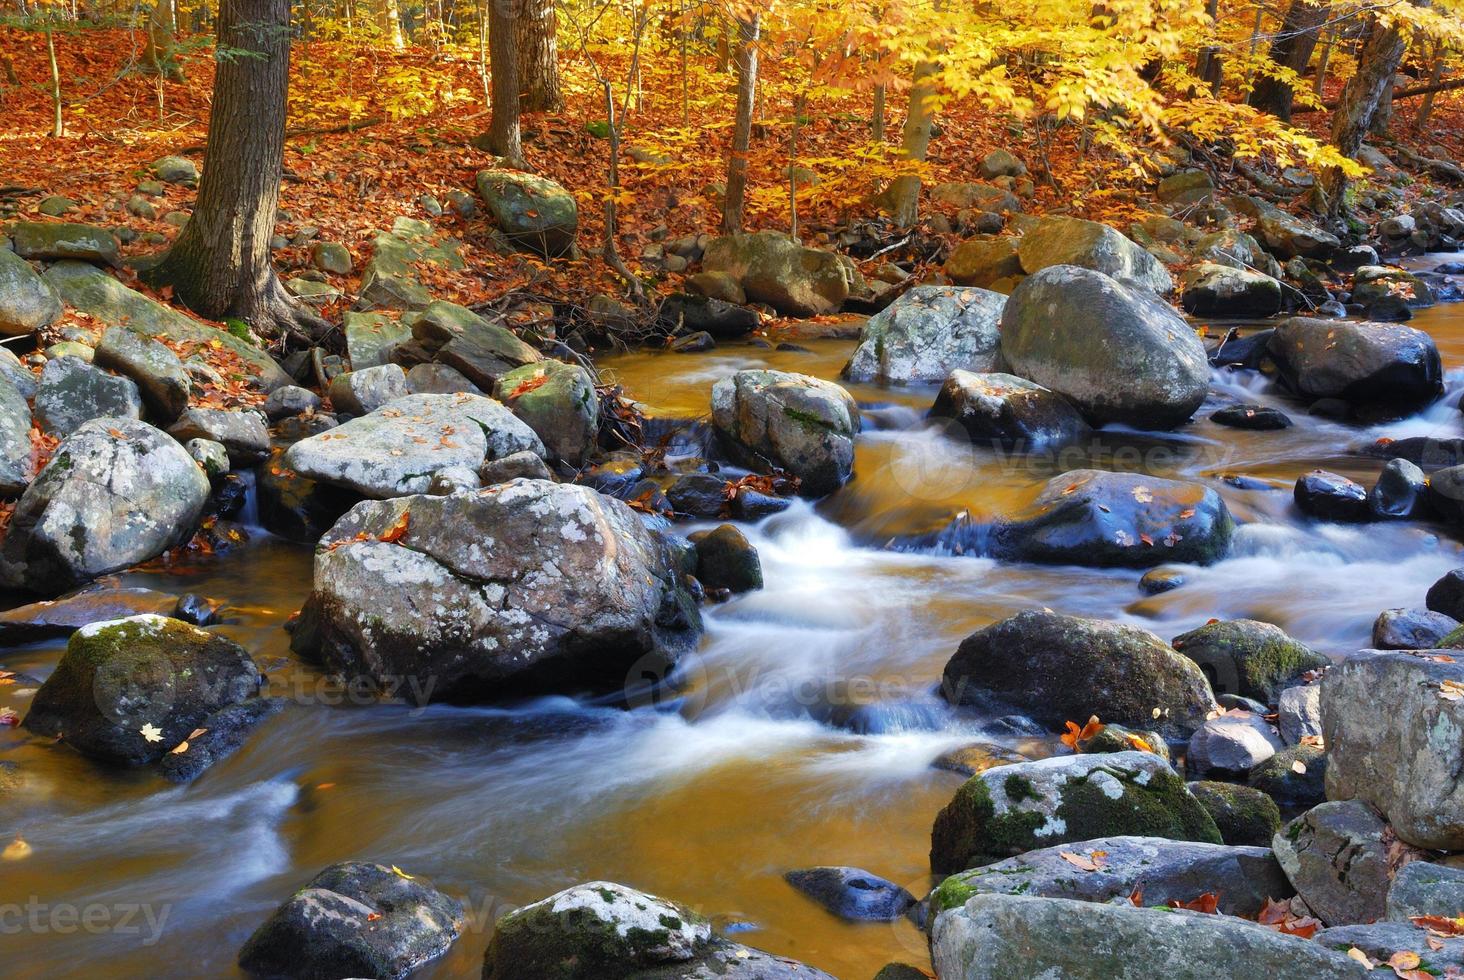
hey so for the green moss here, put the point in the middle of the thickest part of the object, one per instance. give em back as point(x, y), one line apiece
point(1019, 788)
point(809, 419)
point(1160, 808)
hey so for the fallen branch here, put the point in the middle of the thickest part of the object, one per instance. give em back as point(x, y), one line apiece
point(1402, 93)
point(1442, 169)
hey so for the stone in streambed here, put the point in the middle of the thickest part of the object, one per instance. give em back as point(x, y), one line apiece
point(157, 371)
point(73, 392)
point(1376, 367)
point(1340, 857)
point(725, 559)
point(559, 402)
point(61, 617)
point(852, 893)
point(1422, 888)
point(1247, 657)
point(774, 269)
point(364, 391)
point(1446, 595)
point(1059, 240)
point(927, 333)
point(1258, 418)
point(1009, 411)
point(794, 422)
point(1231, 745)
point(1329, 497)
point(1211, 289)
point(1411, 629)
point(1401, 491)
point(242, 434)
point(1295, 777)
point(1244, 815)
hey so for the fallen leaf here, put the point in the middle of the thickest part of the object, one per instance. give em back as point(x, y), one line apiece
point(1096, 860)
point(1356, 954)
point(1208, 903)
point(1440, 925)
point(16, 850)
point(1074, 734)
point(151, 732)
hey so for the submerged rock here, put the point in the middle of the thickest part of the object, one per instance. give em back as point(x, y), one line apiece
point(793, 422)
point(1059, 668)
point(1008, 411)
point(927, 333)
point(525, 586)
point(725, 559)
point(1019, 808)
point(355, 920)
point(852, 893)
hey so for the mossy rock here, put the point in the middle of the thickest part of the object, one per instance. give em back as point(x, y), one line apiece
point(1013, 809)
point(1249, 658)
point(559, 402)
point(1244, 815)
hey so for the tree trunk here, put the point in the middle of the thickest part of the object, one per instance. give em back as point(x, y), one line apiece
point(58, 124)
point(220, 265)
point(1382, 119)
point(904, 192)
point(1325, 59)
point(389, 23)
point(1292, 49)
point(877, 120)
point(1426, 109)
point(538, 57)
point(157, 55)
point(503, 136)
point(742, 129)
point(1376, 65)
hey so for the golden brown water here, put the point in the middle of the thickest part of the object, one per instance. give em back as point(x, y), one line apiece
point(758, 769)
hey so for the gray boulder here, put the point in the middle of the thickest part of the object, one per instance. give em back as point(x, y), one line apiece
point(370, 338)
point(995, 937)
point(1411, 629)
point(1061, 240)
point(16, 463)
point(525, 586)
point(242, 434)
point(852, 893)
point(1377, 365)
point(1008, 411)
point(534, 212)
point(115, 493)
point(1393, 724)
point(53, 241)
point(290, 401)
point(1231, 745)
point(774, 269)
point(73, 392)
point(1245, 816)
point(355, 920)
point(1382, 940)
point(793, 422)
point(363, 391)
point(1423, 888)
point(27, 302)
point(1299, 713)
point(1117, 352)
point(156, 370)
point(1291, 237)
point(1058, 668)
point(394, 450)
point(1160, 869)
point(1211, 289)
point(559, 402)
point(1340, 858)
point(927, 333)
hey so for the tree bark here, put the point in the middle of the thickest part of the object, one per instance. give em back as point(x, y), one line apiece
point(1376, 65)
point(389, 22)
point(157, 55)
point(1426, 109)
point(504, 137)
point(220, 265)
point(919, 118)
point(1292, 48)
point(746, 60)
point(538, 57)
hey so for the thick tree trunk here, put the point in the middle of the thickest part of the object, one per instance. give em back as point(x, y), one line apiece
point(389, 23)
point(904, 193)
point(157, 55)
point(1292, 49)
point(742, 128)
point(538, 58)
point(504, 137)
point(1426, 109)
point(1376, 65)
point(220, 265)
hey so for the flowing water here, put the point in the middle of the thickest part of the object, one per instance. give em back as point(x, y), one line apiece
point(805, 734)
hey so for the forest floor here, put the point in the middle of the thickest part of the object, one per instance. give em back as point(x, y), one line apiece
point(418, 110)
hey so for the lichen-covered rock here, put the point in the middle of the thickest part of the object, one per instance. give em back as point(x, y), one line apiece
point(1423, 888)
point(394, 450)
point(526, 586)
point(52, 241)
point(774, 269)
point(370, 338)
point(1116, 351)
point(793, 422)
point(852, 893)
point(156, 370)
point(1372, 283)
point(242, 434)
point(130, 690)
point(1374, 366)
point(73, 392)
point(27, 302)
point(355, 920)
point(115, 493)
point(1057, 668)
point(1247, 657)
point(1124, 520)
point(1289, 236)
point(1008, 411)
point(16, 465)
point(559, 402)
point(1014, 809)
point(534, 212)
point(1160, 869)
point(1394, 730)
point(927, 333)
point(996, 937)
point(363, 391)
point(1245, 816)
point(1211, 289)
point(1341, 858)
point(1060, 240)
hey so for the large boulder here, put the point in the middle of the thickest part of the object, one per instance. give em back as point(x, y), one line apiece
point(1211, 289)
point(927, 333)
point(1060, 668)
point(131, 690)
point(1371, 365)
point(156, 370)
point(51, 241)
point(242, 434)
point(1422, 888)
point(1393, 724)
point(1231, 745)
point(559, 402)
point(1160, 869)
point(984, 261)
point(394, 450)
point(774, 269)
point(27, 302)
point(1008, 411)
point(92, 291)
point(1124, 520)
point(73, 392)
point(1116, 351)
point(1341, 858)
point(532, 211)
point(994, 937)
point(600, 930)
point(370, 338)
point(1014, 809)
point(364, 390)
point(1247, 657)
point(1061, 240)
point(523, 586)
point(355, 920)
point(17, 464)
point(1291, 237)
point(117, 492)
point(793, 422)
